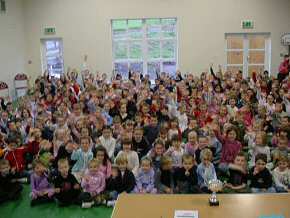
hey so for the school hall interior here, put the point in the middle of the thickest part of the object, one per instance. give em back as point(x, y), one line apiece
point(134, 108)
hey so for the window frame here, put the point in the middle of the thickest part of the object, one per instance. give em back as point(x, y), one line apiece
point(44, 55)
point(144, 45)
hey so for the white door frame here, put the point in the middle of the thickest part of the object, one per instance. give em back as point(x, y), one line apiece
point(267, 59)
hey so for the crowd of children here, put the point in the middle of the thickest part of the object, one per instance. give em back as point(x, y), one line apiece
point(84, 139)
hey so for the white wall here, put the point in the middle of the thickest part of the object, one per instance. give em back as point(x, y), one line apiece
point(12, 40)
point(85, 27)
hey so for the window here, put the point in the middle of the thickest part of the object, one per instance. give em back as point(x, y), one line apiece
point(148, 46)
point(52, 56)
point(249, 52)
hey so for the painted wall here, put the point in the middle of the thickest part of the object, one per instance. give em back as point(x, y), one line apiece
point(85, 28)
point(12, 42)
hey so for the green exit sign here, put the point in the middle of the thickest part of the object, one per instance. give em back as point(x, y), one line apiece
point(49, 31)
point(248, 24)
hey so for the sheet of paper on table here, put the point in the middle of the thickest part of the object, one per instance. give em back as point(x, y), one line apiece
point(272, 216)
point(186, 214)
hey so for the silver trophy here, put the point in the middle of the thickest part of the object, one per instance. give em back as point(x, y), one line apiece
point(215, 186)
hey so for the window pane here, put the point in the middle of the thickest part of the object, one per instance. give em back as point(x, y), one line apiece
point(153, 28)
point(154, 49)
point(153, 21)
point(122, 68)
point(169, 67)
point(136, 67)
point(168, 49)
point(135, 50)
point(135, 30)
point(152, 69)
point(235, 42)
point(133, 24)
point(169, 27)
point(256, 69)
point(119, 24)
point(135, 33)
point(120, 50)
point(233, 69)
point(257, 42)
point(119, 34)
point(257, 57)
point(235, 57)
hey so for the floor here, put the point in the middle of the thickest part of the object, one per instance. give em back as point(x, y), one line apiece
point(21, 209)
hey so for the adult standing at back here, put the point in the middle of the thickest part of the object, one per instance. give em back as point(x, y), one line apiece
point(284, 69)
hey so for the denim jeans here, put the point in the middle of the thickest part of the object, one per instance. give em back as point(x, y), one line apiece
point(280, 189)
point(259, 190)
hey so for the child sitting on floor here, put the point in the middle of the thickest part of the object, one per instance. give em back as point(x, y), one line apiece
point(260, 176)
point(41, 190)
point(238, 175)
point(93, 184)
point(10, 189)
point(281, 174)
point(67, 188)
point(205, 170)
point(132, 156)
point(175, 152)
point(113, 185)
point(82, 156)
point(145, 177)
point(164, 176)
point(186, 177)
point(156, 153)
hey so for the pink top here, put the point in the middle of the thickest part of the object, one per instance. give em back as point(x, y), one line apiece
point(106, 169)
point(230, 149)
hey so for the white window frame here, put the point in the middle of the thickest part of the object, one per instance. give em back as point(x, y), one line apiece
point(144, 46)
point(43, 54)
point(246, 51)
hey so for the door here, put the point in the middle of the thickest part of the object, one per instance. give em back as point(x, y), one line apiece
point(248, 52)
point(52, 56)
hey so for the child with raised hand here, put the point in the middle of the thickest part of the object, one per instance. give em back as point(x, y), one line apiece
point(185, 178)
point(231, 147)
point(281, 174)
point(102, 156)
point(41, 189)
point(93, 184)
point(260, 176)
point(238, 175)
point(165, 176)
point(82, 156)
point(10, 189)
point(205, 170)
point(108, 141)
point(132, 156)
point(175, 152)
point(145, 179)
point(156, 153)
point(67, 188)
